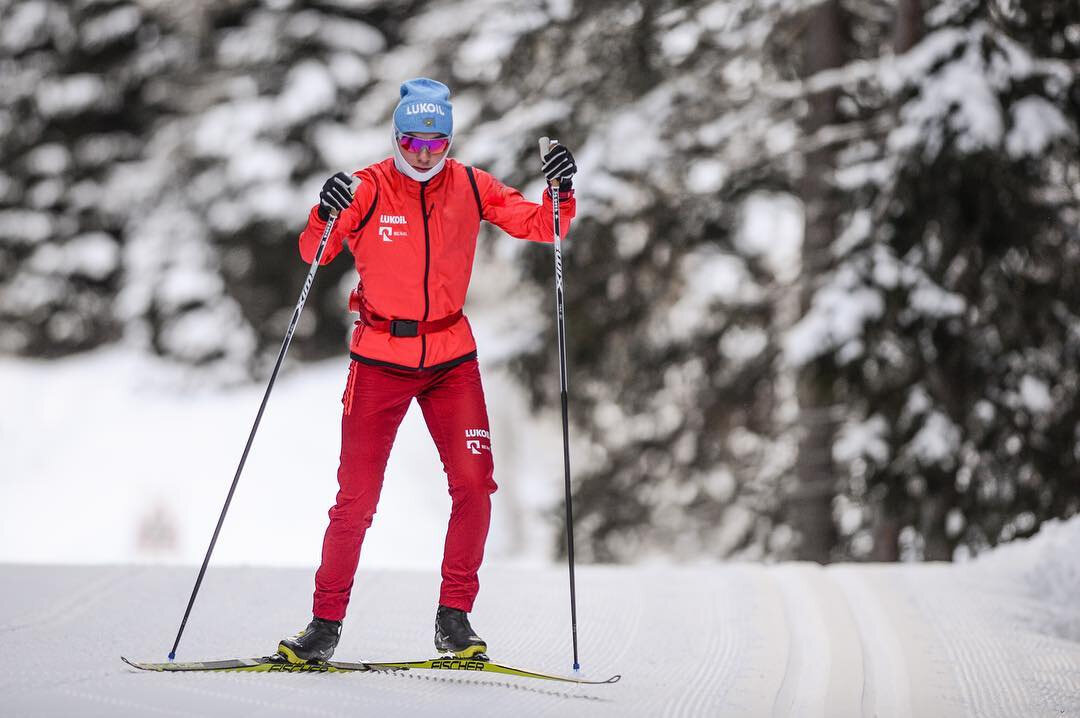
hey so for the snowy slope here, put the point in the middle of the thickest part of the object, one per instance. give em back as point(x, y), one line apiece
point(996, 637)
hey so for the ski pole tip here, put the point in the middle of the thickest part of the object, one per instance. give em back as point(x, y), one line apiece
point(172, 655)
point(577, 667)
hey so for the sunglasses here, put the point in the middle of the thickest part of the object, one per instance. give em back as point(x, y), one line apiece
point(418, 144)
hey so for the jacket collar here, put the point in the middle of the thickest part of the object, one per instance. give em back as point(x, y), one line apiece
point(411, 186)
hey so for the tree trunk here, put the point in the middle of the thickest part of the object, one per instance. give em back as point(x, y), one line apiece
point(809, 505)
point(886, 538)
point(886, 529)
point(909, 25)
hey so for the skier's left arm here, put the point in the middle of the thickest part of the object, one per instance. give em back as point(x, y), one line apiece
point(508, 209)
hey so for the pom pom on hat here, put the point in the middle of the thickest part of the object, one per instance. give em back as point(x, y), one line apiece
point(424, 107)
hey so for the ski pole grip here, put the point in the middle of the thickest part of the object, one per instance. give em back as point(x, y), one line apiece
point(353, 186)
point(545, 147)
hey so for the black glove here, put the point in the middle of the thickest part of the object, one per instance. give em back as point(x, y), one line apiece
point(559, 165)
point(336, 195)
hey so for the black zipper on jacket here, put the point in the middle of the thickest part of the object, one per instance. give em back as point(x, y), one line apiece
point(427, 269)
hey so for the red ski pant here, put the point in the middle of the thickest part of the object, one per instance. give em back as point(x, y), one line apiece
point(375, 402)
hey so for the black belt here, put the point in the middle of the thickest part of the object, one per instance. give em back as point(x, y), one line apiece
point(407, 327)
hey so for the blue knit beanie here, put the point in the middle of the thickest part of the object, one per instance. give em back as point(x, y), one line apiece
point(424, 107)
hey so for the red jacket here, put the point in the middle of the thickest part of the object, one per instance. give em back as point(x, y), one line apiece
point(418, 268)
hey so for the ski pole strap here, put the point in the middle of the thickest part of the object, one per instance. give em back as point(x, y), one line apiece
point(406, 327)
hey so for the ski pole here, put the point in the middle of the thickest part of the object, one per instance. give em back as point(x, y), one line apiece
point(258, 417)
point(553, 191)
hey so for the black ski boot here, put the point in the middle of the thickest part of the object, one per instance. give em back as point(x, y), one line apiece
point(453, 634)
point(315, 643)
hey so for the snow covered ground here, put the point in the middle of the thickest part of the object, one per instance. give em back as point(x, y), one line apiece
point(996, 637)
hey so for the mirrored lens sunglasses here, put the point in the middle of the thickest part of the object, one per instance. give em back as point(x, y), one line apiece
point(418, 144)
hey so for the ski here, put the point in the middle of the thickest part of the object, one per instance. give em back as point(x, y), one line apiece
point(276, 664)
point(466, 664)
point(266, 664)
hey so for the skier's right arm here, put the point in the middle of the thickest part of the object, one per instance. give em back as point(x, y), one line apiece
point(337, 196)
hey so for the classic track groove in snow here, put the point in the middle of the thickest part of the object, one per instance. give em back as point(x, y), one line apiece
point(846, 682)
point(743, 640)
point(885, 680)
point(806, 676)
point(763, 644)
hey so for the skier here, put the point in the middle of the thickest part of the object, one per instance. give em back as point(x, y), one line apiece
point(411, 226)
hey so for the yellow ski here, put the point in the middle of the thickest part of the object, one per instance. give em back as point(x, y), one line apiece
point(277, 664)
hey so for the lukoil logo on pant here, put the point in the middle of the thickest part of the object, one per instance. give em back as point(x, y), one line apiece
point(474, 440)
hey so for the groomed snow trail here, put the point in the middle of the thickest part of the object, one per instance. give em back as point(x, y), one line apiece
point(730, 640)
